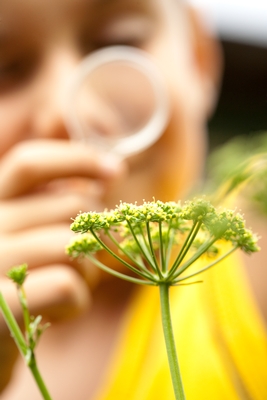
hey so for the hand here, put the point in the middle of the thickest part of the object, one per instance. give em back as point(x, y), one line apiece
point(42, 185)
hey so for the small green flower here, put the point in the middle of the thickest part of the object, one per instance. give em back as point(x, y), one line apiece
point(82, 244)
point(18, 274)
point(86, 221)
point(198, 210)
point(248, 242)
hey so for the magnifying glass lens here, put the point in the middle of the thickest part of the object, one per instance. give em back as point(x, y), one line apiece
point(117, 101)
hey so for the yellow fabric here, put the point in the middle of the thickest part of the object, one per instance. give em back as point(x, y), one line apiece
point(220, 337)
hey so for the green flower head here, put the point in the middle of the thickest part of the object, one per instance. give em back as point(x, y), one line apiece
point(18, 274)
point(82, 244)
point(161, 240)
point(198, 210)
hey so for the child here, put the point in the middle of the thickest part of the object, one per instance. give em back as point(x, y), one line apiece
point(45, 179)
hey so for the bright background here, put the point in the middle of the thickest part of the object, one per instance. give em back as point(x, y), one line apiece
point(242, 29)
point(240, 20)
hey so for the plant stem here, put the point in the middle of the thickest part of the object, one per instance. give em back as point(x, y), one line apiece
point(25, 310)
point(161, 250)
point(144, 249)
point(121, 260)
point(151, 282)
point(13, 326)
point(186, 246)
point(22, 346)
point(141, 266)
point(152, 251)
point(38, 379)
point(202, 249)
point(216, 261)
point(170, 343)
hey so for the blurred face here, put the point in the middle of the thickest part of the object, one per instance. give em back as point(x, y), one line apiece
point(41, 43)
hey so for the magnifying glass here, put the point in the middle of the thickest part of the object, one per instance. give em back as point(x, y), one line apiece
point(117, 101)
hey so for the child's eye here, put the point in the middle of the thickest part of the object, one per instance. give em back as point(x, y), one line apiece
point(126, 30)
point(100, 42)
point(134, 42)
point(15, 72)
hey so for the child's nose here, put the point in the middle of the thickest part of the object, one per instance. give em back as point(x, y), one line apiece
point(50, 95)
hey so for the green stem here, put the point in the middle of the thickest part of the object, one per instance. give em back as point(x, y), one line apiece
point(25, 310)
point(151, 282)
point(170, 343)
point(186, 246)
point(145, 254)
point(129, 266)
point(152, 251)
point(22, 346)
point(13, 326)
point(161, 250)
point(144, 250)
point(205, 246)
point(169, 248)
point(139, 264)
point(216, 261)
point(38, 379)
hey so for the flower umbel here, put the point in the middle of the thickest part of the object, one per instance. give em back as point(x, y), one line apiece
point(160, 241)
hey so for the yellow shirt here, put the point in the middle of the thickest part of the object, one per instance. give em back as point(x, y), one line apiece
point(220, 338)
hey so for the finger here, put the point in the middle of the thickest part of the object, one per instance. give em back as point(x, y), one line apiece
point(49, 207)
point(37, 247)
point(56, 292)
point(44, 246)
point(32, 163)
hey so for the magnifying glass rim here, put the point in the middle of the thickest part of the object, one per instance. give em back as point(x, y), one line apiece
point(139, 60)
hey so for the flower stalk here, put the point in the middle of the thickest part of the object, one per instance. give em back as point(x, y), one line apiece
point(13, 326)
point(170, 342)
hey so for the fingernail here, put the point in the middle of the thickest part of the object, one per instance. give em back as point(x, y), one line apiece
point(110, 163)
